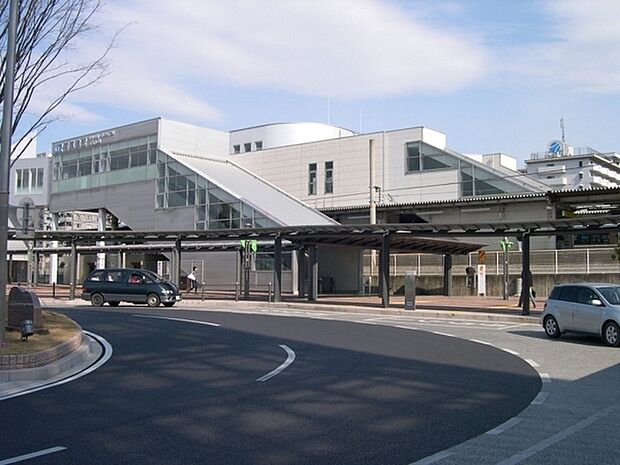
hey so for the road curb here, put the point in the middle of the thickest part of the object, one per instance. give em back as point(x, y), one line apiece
point(464, 313)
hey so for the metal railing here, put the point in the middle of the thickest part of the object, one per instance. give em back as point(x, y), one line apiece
point(562, 261)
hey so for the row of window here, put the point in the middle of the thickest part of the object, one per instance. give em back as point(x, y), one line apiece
point(247, 147)
point(29, 180)
point(328, 186)
point(106, 157)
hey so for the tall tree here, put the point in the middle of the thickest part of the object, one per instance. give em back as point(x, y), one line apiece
point(47, 34)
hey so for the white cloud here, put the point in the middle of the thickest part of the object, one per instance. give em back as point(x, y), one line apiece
point(340, 48)
point(583, 52)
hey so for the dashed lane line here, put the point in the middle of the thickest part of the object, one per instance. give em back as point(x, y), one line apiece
point(504, 426)
point(289, 359)
point(432, 458)
point(32, 455)
point(207, 323)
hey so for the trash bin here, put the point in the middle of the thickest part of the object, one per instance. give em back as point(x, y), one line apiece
point(27, 329)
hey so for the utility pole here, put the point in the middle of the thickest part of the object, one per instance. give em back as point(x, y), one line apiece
point(373, 203)
point(5, 161)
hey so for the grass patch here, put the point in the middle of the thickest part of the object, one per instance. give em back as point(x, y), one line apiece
point(61, 329)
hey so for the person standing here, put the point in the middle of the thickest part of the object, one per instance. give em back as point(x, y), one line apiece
point(193, 285)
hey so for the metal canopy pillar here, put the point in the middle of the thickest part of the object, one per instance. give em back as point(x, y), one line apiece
point(73, 270)
point(384, 270)
point(277, 269)
point(302, 272)
point(35, 268)
point(447, 275)
point(527, 275)
point(313, 275)
point(176, 262)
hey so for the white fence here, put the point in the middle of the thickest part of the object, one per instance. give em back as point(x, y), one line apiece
point(563, 261)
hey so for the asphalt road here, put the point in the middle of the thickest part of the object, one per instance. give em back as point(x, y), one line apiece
point(181, 392)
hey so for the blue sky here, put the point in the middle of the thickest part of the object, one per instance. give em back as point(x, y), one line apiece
point(495, 76)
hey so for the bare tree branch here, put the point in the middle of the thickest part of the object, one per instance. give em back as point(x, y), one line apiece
point(47, 32)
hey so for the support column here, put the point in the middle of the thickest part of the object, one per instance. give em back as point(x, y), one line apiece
point(9, 276)
point(35, 269)
point(384, 270)
point(447, 275)
point(313, 275)
point(302, 272)
point(73, 270)
point(54, 257)
point(527, 275)
point(101, 223)
point(247, 268)
point(277, 269)
point(176, 266)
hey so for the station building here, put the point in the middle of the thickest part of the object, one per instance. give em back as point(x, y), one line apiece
point(169, 176)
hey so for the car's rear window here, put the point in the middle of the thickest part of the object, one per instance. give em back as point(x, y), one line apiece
point(555, 293)
point(98, 275)
point(611, 294)
point(114, 276)
point(568, 293)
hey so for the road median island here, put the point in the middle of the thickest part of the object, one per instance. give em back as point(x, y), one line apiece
point(63, 337)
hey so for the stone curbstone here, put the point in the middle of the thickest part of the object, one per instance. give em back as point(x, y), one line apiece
point(39, 359)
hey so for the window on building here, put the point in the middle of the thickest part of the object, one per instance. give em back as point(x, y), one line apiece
point(40, 172)
point(479, 181)
point(424, 157)
point(413, 156)
point(236, 148)
point(329, 177)
point(312, 179)
point(85, 164)
point(258, 144)
point(247, 147)
point(580, 164)
point(550, 177)
point(580, 175)
point(18, 180)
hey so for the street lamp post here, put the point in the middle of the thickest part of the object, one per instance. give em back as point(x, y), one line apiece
point(5, 158)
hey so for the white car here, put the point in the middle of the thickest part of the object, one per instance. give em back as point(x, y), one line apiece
point(591, 308)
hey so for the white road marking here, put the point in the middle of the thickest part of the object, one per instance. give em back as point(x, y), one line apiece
point(510, 351)
point(532, 362)
point(545, 378)
point(443, 334)
point(542, 445)
point(207, 323)
point(32, 455)
point(289, 359)
point(540, 398)
point(432, 459)
point(107, 353)
point(504, 426)
point(406, 327)
point(481, 342)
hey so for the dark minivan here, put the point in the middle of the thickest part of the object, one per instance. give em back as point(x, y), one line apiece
point(116, 285)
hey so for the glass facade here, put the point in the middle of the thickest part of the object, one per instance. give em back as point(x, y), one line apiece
point(214, 208)
point(29, 180)
point(102, 158)
point(473, 180)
